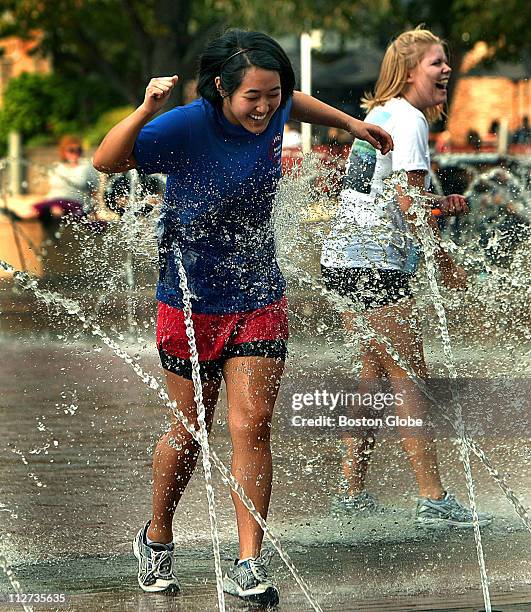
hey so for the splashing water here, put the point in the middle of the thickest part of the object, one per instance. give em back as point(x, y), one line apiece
point(429, 248)
point(73, 308)
point(203, 434)
point(425, 236)
point(341, 304)
point(299, 193)
point(285, 217)
point(14, 583)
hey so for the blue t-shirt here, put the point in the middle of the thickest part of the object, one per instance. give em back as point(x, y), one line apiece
point(217, 206)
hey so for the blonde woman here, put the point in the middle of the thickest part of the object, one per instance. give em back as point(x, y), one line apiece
point(370, 255)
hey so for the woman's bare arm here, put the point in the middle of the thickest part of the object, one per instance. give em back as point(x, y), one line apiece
point(450, 205)
point(453, 275)
point(115, 153)
point(310, 110)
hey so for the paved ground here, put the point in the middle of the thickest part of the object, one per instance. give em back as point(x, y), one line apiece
point(79, 429)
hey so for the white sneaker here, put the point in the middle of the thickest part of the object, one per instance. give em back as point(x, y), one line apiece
point(155, 565)
point(447, 511)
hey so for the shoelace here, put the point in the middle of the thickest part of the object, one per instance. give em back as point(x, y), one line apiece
point(258, 565)
point(267, 555)
point(162, 563)
point(258, 570)
point(454, 508)
point(458, 510)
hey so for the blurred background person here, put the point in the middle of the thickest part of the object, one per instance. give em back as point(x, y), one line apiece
point(73, 187)
point(522, 135)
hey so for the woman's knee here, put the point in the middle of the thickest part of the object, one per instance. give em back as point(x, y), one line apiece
point(180, 439)
point(255, 429)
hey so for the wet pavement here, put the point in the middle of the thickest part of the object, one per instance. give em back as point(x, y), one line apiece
point(78, 432)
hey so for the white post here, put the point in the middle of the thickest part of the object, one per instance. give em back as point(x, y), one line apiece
point(306, 86)
point(15, 162)
point(503, 137)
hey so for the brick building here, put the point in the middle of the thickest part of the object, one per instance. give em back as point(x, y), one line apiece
point(501, 92)
point(16, 57)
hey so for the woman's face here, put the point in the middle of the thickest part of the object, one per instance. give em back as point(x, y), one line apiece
point(255, 101)
point(72, 153)
point(427, 82)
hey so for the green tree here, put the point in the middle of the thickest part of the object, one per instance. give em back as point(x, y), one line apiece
point(123, 43)
point(51, 105)
point(502, 24)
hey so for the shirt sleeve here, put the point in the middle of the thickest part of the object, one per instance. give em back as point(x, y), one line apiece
point(411, 151)
point(287, 110)
point(161, 143)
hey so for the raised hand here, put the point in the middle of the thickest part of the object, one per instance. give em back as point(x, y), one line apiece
point(157, 93)
point(373, 134)
point(377, 136)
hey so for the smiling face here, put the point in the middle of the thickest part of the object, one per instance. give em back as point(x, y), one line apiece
point(255, 101)
point(427, 82)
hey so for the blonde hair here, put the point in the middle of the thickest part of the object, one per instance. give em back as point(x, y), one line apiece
point(400, 58)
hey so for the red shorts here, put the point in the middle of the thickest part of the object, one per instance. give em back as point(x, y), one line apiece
point(256, 333)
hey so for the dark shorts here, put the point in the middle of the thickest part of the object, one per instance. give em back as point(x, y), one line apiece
point(373, 288)
point(256, 333)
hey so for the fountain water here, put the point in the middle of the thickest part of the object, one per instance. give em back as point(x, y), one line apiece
point(203, 434)
point(428, 247)
point(15, 584)
point(73, 308)
point(288, 252)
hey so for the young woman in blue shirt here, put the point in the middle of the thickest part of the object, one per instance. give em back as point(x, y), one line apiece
point(222, 155)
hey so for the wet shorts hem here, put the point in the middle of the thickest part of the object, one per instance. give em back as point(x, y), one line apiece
point(212, 369)
point(372, 288)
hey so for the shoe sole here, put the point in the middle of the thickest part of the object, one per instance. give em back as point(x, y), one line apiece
point(170, 589)
point(448, 523)
point(268, 598)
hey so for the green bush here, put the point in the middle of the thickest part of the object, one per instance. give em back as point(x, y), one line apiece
point(95, 134)
point(45, 106)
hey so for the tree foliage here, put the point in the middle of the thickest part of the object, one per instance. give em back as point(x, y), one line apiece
point(49, 104)
point(123, 43)
point(503, 24)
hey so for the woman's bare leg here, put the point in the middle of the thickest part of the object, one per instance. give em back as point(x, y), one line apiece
point(252, 388)
point(400, 326)
point(172, 469)
point(358, 450)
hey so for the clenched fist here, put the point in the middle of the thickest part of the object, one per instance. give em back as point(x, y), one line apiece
point(157, 93)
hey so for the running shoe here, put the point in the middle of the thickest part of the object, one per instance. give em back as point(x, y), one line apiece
point(361, 503)
point(447, 511)
point(155, 565)
point(248, 580)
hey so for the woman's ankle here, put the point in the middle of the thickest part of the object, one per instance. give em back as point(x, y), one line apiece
point(159, 533)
